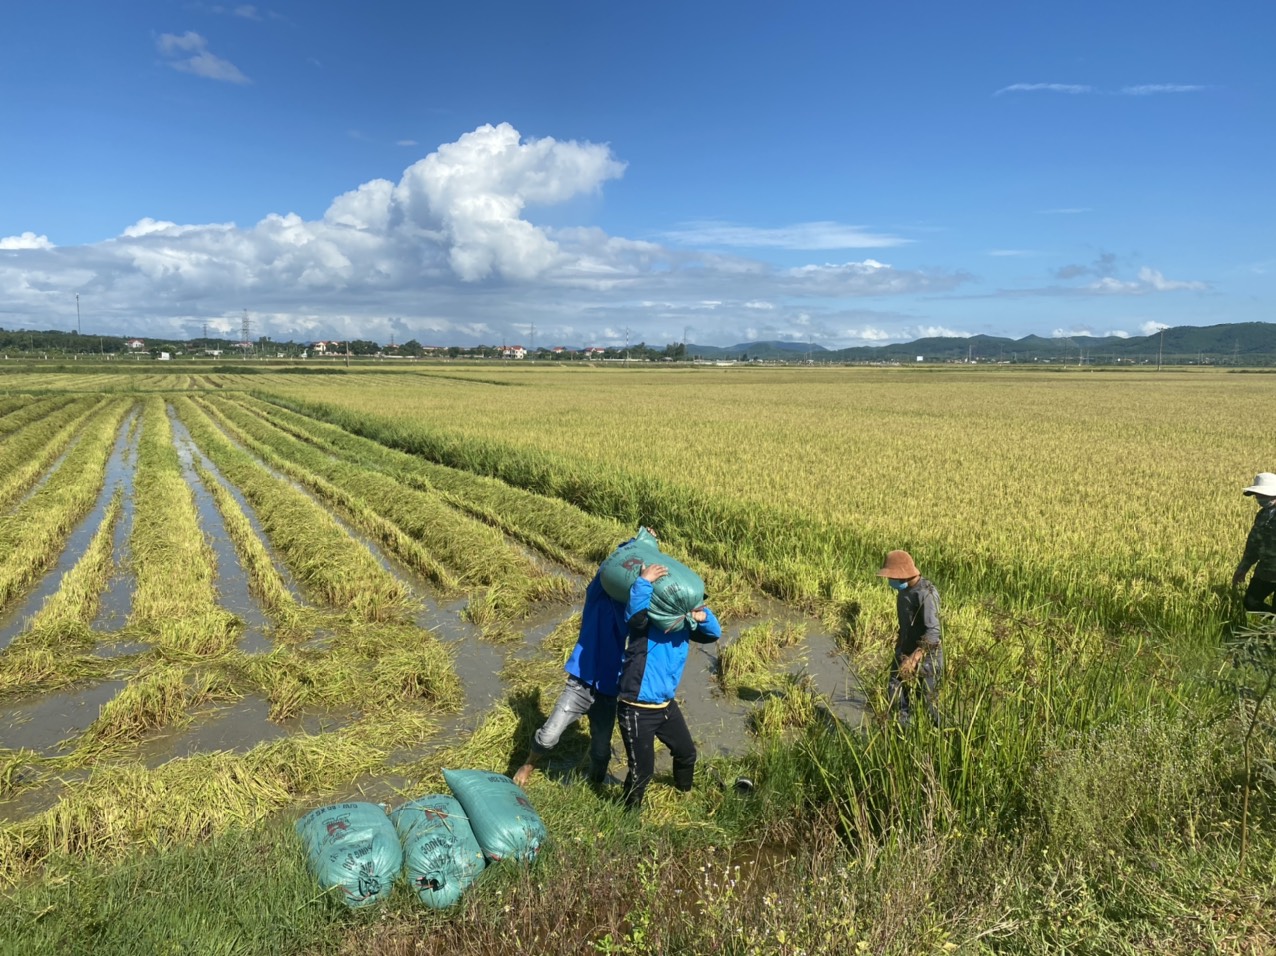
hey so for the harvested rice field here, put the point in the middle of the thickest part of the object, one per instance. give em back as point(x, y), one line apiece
point(231, 594)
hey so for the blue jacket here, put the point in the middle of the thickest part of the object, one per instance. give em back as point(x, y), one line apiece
point(595, 659)
point(654, 661)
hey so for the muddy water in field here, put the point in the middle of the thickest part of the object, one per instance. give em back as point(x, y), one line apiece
point(719, 723)
point(117, 474)
point(179, 428)
point(41, 795)
point(237, 727)
point(833, 678)
point(116, 600)
point(233, 591)
point(42, 724)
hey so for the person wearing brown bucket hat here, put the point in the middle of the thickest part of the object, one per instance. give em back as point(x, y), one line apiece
point(918, 651)
point(1260, 547)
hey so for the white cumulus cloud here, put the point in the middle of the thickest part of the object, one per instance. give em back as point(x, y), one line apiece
point(450, 250)
point(28, 240)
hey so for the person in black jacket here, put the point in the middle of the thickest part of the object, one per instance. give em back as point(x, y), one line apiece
point(918, 652)
point(1260, 547)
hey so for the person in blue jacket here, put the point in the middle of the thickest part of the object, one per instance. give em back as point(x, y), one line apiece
point(593, 671)
point(650, 673)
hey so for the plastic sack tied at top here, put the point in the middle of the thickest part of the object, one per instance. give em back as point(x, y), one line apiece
point(673, 597)
point(352, 846)
point(441, 856)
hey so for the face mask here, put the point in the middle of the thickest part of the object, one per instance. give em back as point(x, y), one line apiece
point(897, 585)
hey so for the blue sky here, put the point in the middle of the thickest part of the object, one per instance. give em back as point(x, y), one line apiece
point(826, 172)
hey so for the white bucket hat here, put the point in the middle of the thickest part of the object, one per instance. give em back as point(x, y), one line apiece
point(1264, 484)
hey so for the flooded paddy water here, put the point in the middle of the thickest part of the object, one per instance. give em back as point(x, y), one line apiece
point(514, 666)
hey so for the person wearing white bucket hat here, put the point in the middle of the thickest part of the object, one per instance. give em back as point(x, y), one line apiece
point(917, 647)
point(1260, 547)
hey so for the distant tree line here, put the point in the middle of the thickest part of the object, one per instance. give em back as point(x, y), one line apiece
point(1249, 343)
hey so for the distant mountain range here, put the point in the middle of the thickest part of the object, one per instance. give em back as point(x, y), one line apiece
point(1241, 343)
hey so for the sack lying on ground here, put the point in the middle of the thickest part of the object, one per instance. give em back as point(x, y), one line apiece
point(352, 846)
point(501, 816)
point(673, 597)
point(441, 857)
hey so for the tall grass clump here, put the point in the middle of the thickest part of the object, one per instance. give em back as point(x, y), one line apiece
point(749, 660)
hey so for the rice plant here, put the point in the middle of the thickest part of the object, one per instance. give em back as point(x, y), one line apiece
point(175, 601)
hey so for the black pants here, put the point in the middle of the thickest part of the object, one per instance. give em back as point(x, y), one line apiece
point(1258, 596)
point(929, 672)
point(640, 728)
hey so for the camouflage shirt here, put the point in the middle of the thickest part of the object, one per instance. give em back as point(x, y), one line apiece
point(918, 610)
point(1260, 546)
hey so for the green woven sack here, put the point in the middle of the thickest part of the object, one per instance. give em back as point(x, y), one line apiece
point(673, 597)
point(504, 822)
point(441, 857)
point(352, 846)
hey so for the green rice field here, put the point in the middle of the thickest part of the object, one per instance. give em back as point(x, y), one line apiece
point(232, 593)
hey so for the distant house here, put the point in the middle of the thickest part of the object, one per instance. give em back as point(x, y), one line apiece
point(595, 351)
point(323, 348)
point(135, 344)
point(514, 352)
point(561, 350)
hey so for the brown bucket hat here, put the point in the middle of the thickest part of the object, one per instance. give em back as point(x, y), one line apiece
point(900, 566)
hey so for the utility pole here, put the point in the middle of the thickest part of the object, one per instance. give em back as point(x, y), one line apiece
point(532, 350)
point(626, 346)
point(245, 332)
point(684, 342)
point(1160, 349)
point(77, 313)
